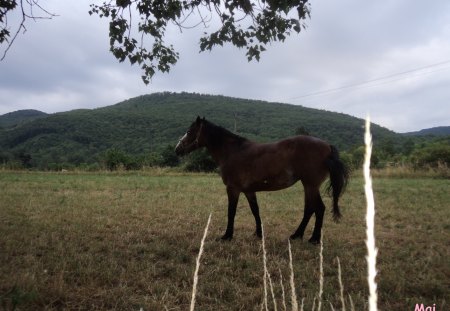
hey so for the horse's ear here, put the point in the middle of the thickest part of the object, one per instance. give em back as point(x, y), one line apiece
point(203, 119)
point(198, 120)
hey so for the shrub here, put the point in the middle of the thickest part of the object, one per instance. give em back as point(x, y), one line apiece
point(200, 161)
point(432, 155)
point(115, 158)
point(169, 157)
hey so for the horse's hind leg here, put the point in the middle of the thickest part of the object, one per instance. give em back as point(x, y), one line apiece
point(313, 205)
point(319, 211)
point(301, 228)
point(251, 197)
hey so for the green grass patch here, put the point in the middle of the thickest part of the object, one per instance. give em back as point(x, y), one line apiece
point(125, 241)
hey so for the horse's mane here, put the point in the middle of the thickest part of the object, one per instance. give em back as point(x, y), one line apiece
point(218, 135)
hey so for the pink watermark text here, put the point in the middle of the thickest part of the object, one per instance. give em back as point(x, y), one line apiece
point(422, 307)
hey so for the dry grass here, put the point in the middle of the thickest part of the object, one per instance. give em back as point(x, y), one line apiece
point(126, 241)
point(409, 171)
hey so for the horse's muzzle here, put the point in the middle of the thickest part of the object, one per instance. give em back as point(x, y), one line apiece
point(179, 151)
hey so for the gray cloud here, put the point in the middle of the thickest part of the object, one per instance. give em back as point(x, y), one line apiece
point(64, 64)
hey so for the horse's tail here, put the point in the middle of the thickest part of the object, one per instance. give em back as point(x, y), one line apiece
point(339, 175)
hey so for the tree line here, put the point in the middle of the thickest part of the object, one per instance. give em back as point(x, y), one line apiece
point(414, 152)
point(141, 132)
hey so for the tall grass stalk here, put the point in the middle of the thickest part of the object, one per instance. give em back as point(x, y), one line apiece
point(352, 306)
point(331, 306)
point(283, 295)
point(265, 268)
point(370, 219)
point(272, 292)
point(341, 286)
point(293, 294)
point(197, 266)
point(319, 304)
point(267, 275)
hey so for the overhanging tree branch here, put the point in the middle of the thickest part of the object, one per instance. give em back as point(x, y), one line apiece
point(27, 11)
point(243, 23)
point(137, 28)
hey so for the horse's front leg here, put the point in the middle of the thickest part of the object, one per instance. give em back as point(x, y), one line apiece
point(233, 197)
point(251, 198)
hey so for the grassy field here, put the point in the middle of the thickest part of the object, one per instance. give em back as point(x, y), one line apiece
point(126, 241)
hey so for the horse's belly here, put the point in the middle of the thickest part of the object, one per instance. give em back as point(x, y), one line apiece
point(270, 182)
point(267, 186)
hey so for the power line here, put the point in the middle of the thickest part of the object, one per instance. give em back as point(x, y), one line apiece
point(356, 85)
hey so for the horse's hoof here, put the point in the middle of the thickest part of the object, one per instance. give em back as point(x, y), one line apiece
point(314, 241)
point(226, 237)
point(258, 234)
point(295, 237)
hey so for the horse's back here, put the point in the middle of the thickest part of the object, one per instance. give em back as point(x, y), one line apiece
point(308, 155)
point(305, 144)
point(306, 148)
point(279, 163)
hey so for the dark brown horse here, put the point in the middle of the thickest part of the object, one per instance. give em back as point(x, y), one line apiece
point(249, 167)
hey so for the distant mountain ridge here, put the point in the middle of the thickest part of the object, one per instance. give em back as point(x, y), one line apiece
point(15, 118)
point(150, 123)
point(435, 131)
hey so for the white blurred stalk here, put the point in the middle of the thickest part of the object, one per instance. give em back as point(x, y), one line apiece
point(197, 267)
point(265, 268)
point(283, 295)
point(370, 220)
point(294, 301)
point(267, 276)
point(352, 306)
point(275, 308)
point(319, 305)
point(341, 286)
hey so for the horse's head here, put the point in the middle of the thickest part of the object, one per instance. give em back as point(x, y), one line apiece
point(193, 139)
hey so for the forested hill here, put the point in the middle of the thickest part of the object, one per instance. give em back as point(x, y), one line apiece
point(150, 123)
point(20, 117)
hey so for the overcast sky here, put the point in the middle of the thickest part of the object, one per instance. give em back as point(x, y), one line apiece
point(387, 58)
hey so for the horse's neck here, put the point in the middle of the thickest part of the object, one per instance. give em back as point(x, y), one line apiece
point(229, 143)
